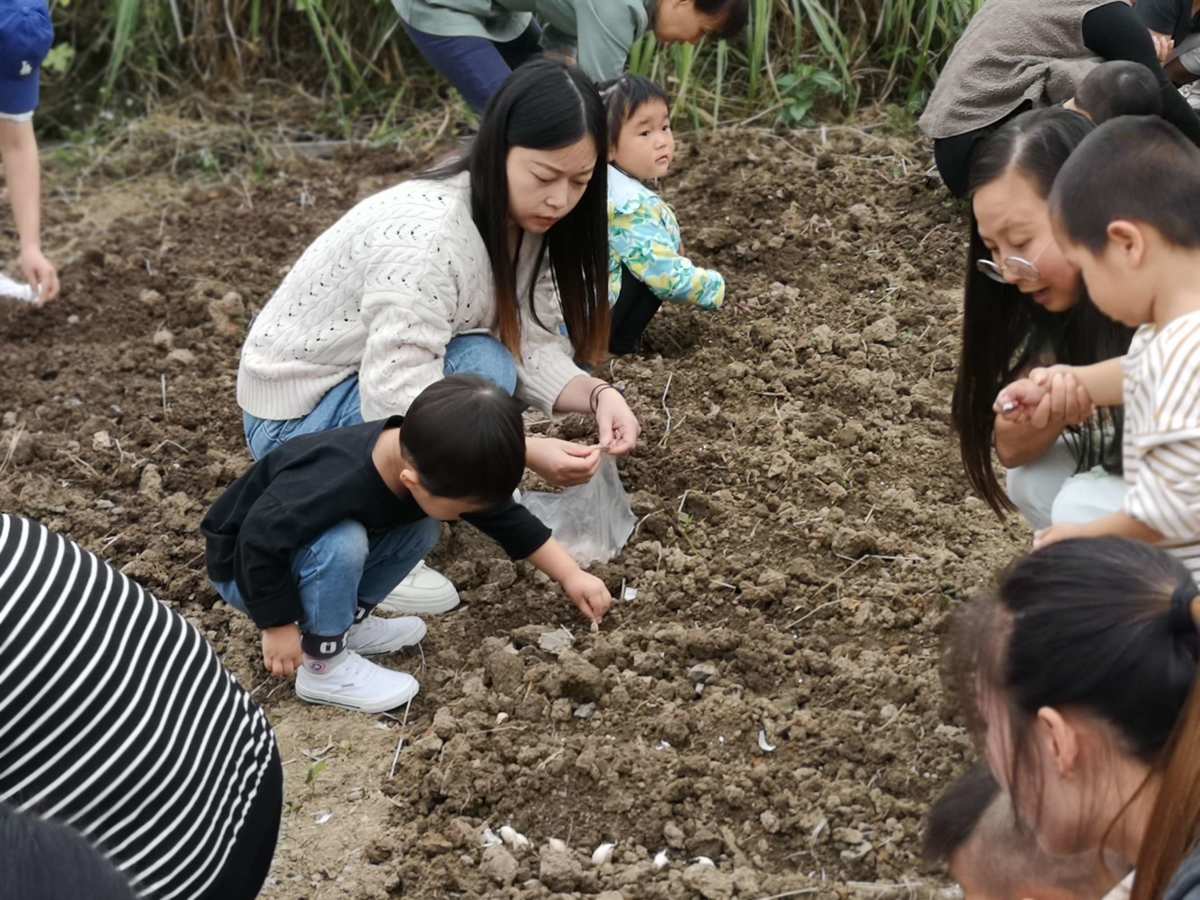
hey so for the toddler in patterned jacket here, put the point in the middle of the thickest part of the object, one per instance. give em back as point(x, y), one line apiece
point(646, 264)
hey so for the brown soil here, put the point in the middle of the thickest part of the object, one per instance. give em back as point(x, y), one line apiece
point(804, 530)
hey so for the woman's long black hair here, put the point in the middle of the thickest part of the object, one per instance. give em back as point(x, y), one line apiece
point(544, 105)
point(1005, 331)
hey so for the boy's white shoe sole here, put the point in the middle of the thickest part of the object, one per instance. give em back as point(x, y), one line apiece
point(357, 684)
point(423, 593)
point(376, 635)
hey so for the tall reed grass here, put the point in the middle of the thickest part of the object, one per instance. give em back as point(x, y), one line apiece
point(794, 55)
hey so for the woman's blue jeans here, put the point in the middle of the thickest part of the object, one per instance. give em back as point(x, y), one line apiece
point(475, 65)
point(346, 567)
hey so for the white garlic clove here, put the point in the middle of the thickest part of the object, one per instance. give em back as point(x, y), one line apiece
point(513, 838)
point(501, 718)
point(704, 861)
point(602, 854)
point(763, 744)
point(488, 837)
point(661, 859)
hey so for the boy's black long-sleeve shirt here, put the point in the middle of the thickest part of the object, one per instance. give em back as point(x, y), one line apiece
point(305, 487)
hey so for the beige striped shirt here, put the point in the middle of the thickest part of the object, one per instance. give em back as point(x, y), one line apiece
point(1162, 434)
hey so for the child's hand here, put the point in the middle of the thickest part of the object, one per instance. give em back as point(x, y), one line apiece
point(1020, 400)
point(589, 594)
point(40, 273)
point(1056, 533)
point(281, 650)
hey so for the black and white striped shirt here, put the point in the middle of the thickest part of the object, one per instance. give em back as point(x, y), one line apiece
point(117, 718)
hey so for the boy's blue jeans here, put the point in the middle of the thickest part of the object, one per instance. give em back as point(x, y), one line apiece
point(345, 567)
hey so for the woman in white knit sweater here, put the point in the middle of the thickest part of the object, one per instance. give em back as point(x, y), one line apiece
point(495, 266)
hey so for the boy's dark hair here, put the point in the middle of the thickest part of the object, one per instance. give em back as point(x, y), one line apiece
point(954, 815)
point(43, 860)
point(466, 439)
point(734, 15)
point(1119, 87)
point(1136, 168)
point(624, 96)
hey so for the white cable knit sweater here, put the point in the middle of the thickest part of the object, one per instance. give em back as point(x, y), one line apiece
point(381, 293)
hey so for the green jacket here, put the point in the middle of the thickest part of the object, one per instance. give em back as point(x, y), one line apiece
point(602, 31)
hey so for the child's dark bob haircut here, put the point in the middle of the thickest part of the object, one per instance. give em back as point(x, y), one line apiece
point(465, 437)
point(624, 96)
point(1119, 88)
point(956, 813)
point(733, 14)
point(1137, 169)
point(43, 860)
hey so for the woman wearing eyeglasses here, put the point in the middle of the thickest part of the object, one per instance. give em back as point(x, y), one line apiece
point(1025, 306)
point(1017, 55)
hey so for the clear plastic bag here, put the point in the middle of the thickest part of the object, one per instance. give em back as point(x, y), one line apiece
point(592, 521)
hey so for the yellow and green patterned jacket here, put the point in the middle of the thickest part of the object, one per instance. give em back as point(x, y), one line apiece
point(643, 235)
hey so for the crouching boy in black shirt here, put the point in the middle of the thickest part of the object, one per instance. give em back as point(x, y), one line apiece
point(322, 528)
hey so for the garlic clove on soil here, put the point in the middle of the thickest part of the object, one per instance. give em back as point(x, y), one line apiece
point(661, 858)
point(763, 744)
point(704, 861)
point(513, 838)
point(488, 838)
point(602, 854)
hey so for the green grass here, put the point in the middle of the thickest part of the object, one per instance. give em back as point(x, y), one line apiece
point(796, 57)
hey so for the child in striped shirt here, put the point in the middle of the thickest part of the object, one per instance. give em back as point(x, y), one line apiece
point(646, 264)
point(1123, 210)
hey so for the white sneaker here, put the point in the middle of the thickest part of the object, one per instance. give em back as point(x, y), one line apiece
point(358, 684)
point(378, 635)
point(423, 593)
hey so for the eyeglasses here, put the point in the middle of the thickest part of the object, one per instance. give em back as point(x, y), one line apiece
point(1017, 267)
point(1020, 269)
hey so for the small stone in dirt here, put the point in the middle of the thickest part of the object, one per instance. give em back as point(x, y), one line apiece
point(150, 297)
point(860, 216)
point(164, 338)
point(72, 319)
point(674, 836)
point(558, 869)
point(444, 723)
point(882, 331)
point(577, 678)
point(854, 544)
point(498, 864)
point(181, 356)
point(528, 635)
point(847, 836)
point(585, 711)
point(18, 447)
point(377, 852)
point(150, 484)
point(555, 641)
point(703, 673)
point(505, 671)
point(428, 746)
point(710, 883)
point(228, 314)
point(102, 440)
point(560, 710)
point(821, 339)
